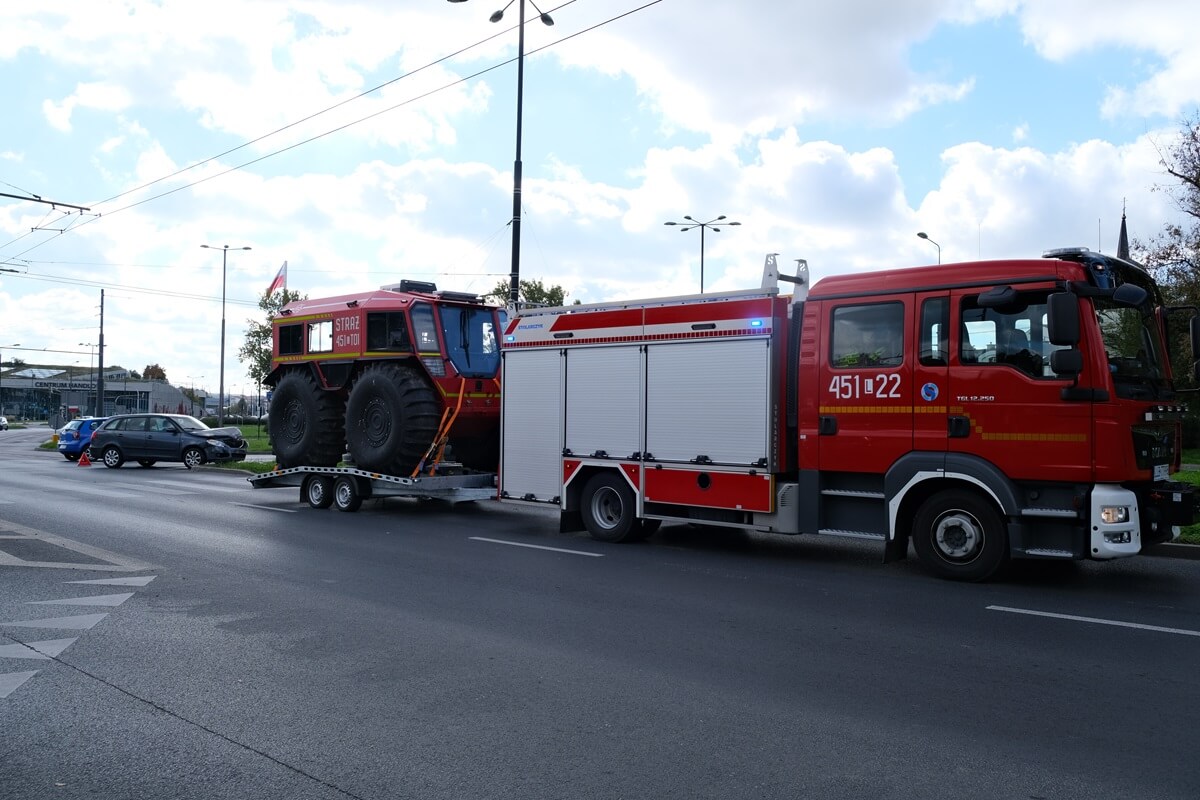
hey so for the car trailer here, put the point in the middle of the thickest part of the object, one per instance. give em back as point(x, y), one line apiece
point(346, 487)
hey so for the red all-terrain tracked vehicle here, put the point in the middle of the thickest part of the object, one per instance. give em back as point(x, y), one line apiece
point(391, 376)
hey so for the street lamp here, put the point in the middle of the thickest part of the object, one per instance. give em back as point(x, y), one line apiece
point(192, 379)
point(91, 361)
point(221, 389)
point(925, 236)
point(690, 224)
point(18, 344)
point(515, 276)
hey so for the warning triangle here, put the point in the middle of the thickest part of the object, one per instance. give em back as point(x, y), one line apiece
point(50, 648)
point(82, 622)
point(83, 461)
point(12, 681)
point(110, 600)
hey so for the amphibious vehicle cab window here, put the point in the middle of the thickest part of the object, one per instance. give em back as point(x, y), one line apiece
point(423, 328)
point(867, 336)
point(320, 336)
point(935, 319)
point(291, 340)
point(388, 331)
point(470, 335)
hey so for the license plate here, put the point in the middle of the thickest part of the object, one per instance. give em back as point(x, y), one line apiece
point(1161, 472)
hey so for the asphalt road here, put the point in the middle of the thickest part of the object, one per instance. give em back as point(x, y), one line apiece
point(232, 643)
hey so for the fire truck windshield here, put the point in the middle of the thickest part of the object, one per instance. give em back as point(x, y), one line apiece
point(1134, 352)
point(472, 344)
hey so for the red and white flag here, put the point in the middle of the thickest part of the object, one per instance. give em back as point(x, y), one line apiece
point(280, 281)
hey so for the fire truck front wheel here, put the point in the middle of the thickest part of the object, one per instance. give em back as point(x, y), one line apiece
point(960, 535)
point(609, 509)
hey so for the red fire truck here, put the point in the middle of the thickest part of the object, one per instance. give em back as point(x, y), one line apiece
point(980, 411)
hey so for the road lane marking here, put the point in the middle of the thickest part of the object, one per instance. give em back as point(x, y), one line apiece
point(111, 600)
point(198, 485)
point(75, 486)
point(82, 622)
point(265, 508)
point(1095, 620)
point(154, 489)
point(142, 581)
point(12, 681)
point(41, 651)
point(537, 547)
point(13, 531)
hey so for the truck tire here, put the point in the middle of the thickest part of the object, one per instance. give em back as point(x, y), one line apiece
point(609, 509)
point(960, 536)
point(305, 422)
point(391, 418)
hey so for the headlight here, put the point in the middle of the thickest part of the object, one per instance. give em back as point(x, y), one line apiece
point(1114, 515)
point(218, 445)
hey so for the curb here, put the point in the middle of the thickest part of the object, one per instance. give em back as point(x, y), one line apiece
point(1174, 550)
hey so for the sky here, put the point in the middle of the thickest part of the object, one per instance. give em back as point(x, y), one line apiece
point(366, 142)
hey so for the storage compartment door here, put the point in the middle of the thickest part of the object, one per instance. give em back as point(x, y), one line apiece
point(710, 399)
point(604, 401)
point(531, 432)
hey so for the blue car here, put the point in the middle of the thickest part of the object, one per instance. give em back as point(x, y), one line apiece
point(76, 435)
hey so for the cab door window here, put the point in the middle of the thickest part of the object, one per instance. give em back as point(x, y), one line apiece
point(868, 335)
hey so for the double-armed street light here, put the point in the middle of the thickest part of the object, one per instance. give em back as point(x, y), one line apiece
point(925, 236)
point(221, 389)
point(515, 274)
point(710, 225)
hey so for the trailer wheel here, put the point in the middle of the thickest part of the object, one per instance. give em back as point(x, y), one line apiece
point(317, 491)
point(306, 423)
point(391, 418)
point(609, 509)
point(960, 536)
point(346, 496)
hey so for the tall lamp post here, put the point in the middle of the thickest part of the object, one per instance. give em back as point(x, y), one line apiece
point(193, 378)
point(221, 388)
point(91, 369)
point(715, 228)
point(925, 236)
point(18, 344)
point(515, 276)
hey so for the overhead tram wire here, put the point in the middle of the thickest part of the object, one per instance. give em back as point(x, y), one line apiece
point(340, 128)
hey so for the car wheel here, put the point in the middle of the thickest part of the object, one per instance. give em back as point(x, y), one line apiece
point(146, 462)
point(71, 456)
point(112, 457)
point(193, 457)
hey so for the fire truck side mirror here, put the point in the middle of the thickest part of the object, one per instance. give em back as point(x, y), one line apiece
point(1062, 319)
point(1068, 363)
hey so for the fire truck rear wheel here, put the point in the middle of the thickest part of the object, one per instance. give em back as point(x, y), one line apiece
point(318, 491)
point(960, 536)
point(306, 423)
point(609, 509)
point(391, 419)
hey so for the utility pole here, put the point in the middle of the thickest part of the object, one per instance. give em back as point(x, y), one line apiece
point(100, 363)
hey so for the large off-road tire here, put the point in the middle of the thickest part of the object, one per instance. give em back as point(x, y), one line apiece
point(960, 536)
point(306, 423)
point(391, 418)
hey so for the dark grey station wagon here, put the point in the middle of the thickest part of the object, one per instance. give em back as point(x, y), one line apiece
point(150, 438)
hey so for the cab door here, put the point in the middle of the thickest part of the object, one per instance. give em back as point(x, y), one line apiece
point(1005, 400)
point(931, 377)
point(865, 384)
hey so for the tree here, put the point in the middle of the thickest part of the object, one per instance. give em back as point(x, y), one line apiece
point(534, 292)
point(256, 349)
point(1174, 254)
point(153, 372)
